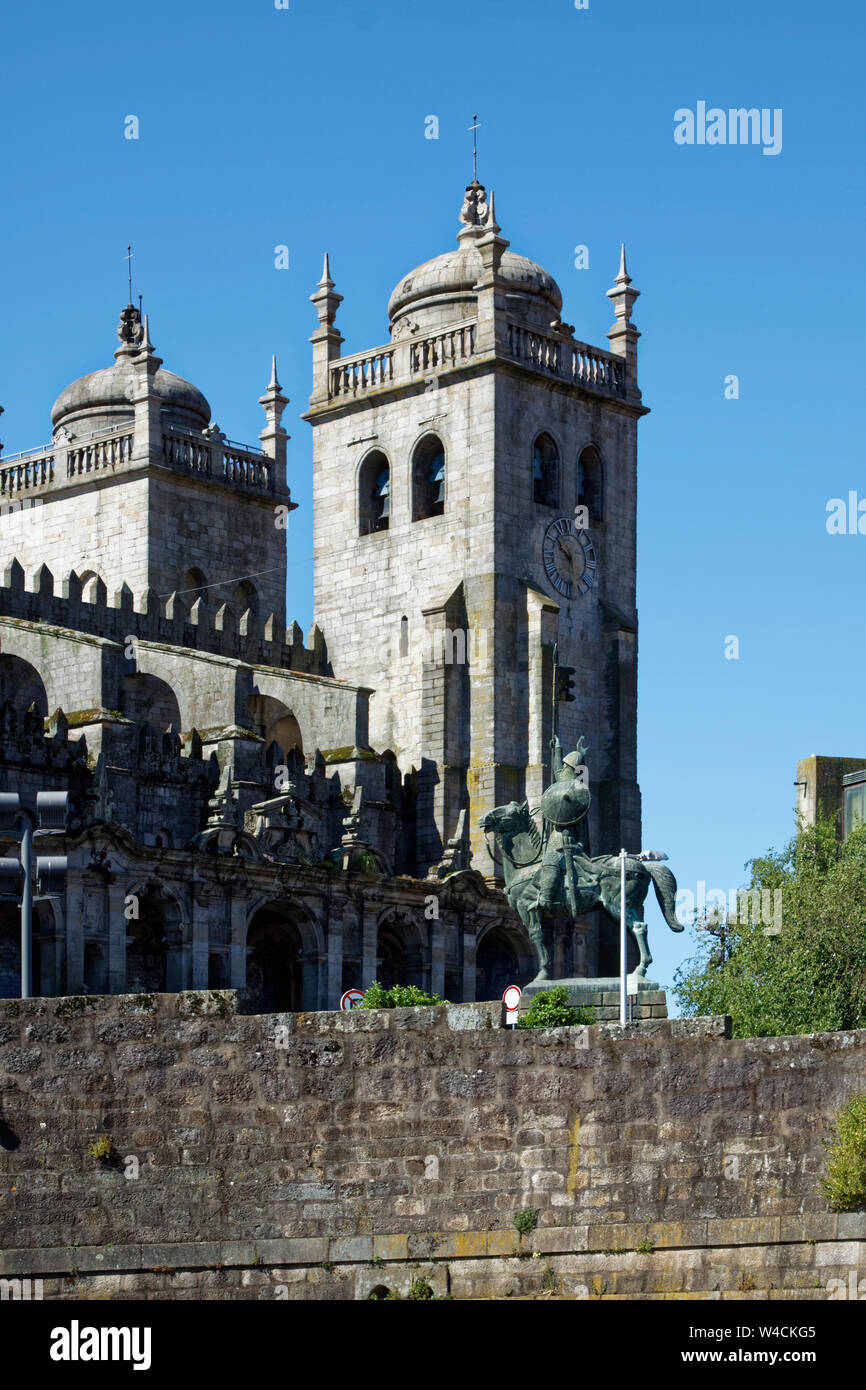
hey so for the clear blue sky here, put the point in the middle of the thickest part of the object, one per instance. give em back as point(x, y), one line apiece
point(305, 127)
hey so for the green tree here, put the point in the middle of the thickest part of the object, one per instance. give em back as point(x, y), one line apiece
point(810, 976)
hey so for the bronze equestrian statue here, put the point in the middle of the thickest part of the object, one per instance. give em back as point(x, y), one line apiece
point(550, 871)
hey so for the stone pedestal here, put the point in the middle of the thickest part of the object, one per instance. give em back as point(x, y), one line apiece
point(601, 995)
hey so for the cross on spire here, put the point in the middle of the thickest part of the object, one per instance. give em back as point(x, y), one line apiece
point(128, 259)
point(474, 128)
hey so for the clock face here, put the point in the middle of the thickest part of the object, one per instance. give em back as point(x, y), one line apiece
point(569, 558)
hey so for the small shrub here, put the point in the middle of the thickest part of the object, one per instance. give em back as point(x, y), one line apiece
point(552, 1009)
point(101, 1148)
point(398, 997)
point(845, 1183)
point(419, 1288)
point(645, 1247)
point(525, 1220)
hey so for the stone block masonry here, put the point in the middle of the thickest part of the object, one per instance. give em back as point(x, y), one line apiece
point(324, 1155)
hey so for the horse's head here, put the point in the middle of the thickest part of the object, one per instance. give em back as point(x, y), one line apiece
point(510, 819)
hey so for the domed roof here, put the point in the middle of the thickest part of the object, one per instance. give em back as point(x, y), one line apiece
point(452, 276)
point(105, 397)
point(454, 273)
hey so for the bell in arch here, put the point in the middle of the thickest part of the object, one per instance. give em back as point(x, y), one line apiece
point(382, 494)
point(437, 480)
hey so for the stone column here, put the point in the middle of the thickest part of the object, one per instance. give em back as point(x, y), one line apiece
point(437, 957)
point(542, 617)
point(335, 957)
point(200, 937)
point(368, 942)
point(117, 928)
point(74, 931)
point(469, 981)
point(238, 906)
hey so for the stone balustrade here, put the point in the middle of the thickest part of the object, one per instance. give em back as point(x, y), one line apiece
point(443, 349)
point(570, 360)
point(39, 470)
point(99, 453)
point(25, 473)
point(362, 372)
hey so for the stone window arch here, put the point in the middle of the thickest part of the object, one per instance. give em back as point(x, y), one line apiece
point(374, 494)
point(274, 722)
point(400, 951)
point(147, 699)
point(193, 585)
point(89, 582)
point(589, 490)
point(428, 478)
point(245, 596)
point(545, 470)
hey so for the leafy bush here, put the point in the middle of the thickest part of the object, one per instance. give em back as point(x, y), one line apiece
point(810, 976)
point(398, 997)
point(526, 1220)
point(845, 1183)
point(552, 1009)
point(101, 1148)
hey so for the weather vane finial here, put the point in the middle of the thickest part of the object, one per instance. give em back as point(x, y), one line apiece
point(128, 259)
point(474, 128)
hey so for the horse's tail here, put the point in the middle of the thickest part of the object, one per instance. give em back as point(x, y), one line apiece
point(666, 891)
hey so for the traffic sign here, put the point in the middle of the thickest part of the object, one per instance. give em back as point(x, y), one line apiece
point(511, 997)
point(351, 999)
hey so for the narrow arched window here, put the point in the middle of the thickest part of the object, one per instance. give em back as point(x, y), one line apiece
point(545, 471)
point(428, 478)
point(245, 597)
point(374, 494)
point(193, 585)
point(589, 489)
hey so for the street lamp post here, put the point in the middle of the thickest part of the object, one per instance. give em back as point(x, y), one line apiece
point(16, 873)
point(642, 854)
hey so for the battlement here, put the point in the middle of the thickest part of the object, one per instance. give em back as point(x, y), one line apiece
point(152, 618)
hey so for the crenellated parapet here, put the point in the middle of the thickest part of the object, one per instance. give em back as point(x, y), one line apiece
point(160, 619)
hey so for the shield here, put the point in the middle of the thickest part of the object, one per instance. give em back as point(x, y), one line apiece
point(565, 803)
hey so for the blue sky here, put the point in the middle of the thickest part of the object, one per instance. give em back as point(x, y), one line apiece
point(305, 127)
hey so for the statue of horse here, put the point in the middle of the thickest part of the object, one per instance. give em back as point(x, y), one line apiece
point(521, 847)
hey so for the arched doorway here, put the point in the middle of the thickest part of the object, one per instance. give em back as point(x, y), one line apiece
point(21, 685)
point(399, 952)
point(274, 722)
point(153, 942)
point(147, 699)
point(501, 960)
point(282, 977)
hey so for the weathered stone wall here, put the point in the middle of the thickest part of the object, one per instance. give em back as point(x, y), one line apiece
point(325, 1155)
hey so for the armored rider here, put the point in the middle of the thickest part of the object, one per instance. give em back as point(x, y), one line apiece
point(564, 803)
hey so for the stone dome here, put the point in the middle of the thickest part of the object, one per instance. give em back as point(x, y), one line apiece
point(441, 291)
point(104, 398)
point(453, 275)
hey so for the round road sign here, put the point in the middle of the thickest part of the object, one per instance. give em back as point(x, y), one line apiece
point(511, 997)
point(351, 999)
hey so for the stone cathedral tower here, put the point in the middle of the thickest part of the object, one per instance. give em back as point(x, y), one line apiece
point(449, 556)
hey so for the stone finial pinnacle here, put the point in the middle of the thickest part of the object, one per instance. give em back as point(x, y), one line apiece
point(146, 345)
point(273, 384)
point(623, 277)
point(326, 282)
point(492, 224)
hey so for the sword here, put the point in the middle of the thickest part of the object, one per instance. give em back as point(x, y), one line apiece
point(570, 891)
